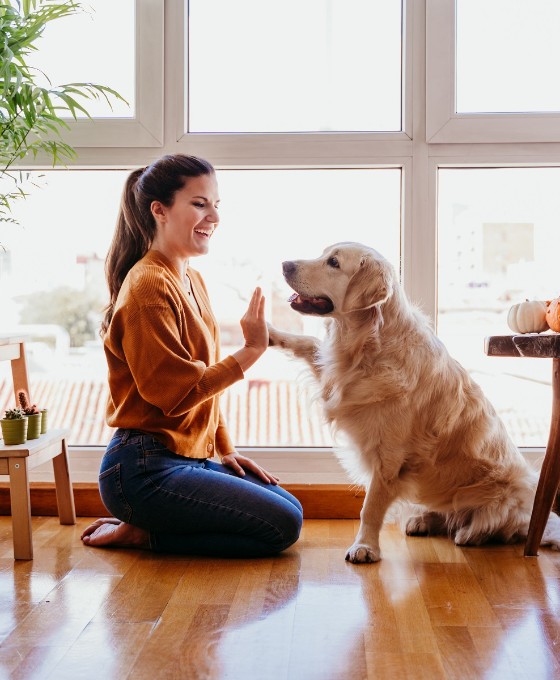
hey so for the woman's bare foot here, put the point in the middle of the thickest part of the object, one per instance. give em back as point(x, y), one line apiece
point(111, 532)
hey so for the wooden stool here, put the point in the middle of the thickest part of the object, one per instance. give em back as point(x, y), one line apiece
point(538, 346)
point(16, 461)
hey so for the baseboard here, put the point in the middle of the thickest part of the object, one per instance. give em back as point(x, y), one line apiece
point(319, 501)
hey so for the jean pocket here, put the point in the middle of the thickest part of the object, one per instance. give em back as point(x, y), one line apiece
point(112, 494)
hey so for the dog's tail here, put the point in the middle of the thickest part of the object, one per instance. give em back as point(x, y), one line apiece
point(498, 508)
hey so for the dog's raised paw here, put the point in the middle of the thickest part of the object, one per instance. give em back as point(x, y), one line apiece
point(360, 553)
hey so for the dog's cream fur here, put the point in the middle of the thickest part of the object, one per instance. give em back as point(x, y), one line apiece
point(420, 428)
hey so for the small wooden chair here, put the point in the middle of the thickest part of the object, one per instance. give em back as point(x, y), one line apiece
point(16, 461)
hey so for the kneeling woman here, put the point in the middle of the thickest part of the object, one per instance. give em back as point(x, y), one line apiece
point(165, 377)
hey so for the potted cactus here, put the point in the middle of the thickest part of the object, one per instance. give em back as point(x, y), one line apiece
point(33, 415)
point(14, 426)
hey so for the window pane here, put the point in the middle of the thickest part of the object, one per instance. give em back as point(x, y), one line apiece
point(266, 217)
point(101, 42)
point(52, 290)
point(508, 55)
point(292, 66)
point(498, 235)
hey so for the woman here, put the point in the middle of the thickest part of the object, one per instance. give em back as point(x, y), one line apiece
point(165, 377)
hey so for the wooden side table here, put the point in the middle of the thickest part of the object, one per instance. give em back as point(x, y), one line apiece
point(545, 346)
point(17, 460)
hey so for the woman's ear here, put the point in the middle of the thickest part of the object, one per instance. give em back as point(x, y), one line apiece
point(158, 210)
point(371, 285)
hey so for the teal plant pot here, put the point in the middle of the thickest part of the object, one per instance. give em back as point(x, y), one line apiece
point(14, 431)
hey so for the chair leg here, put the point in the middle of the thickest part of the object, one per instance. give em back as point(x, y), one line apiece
point(21, 508)
point(64, 492)
point(549, 479)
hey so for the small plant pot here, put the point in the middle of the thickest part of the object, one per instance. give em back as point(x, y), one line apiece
point(44, 420)
point(34, 426)
point(14, 431)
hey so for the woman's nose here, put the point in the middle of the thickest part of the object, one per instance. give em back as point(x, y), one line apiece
point(213, 216)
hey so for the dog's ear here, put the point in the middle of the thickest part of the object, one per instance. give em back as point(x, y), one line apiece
point(371, 285)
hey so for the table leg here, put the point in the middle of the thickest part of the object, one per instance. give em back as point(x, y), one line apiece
point(21, 508)
point(64, 493)
point(550, 473)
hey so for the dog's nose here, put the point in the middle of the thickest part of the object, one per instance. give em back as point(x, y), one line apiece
point(288, 268)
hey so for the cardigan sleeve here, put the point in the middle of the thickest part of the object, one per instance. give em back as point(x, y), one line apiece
point(165, 373)
point(224, 443)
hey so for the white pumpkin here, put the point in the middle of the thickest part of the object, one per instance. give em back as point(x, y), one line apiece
point(528, 317)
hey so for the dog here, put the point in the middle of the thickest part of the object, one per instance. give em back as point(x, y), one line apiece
point(419, 428)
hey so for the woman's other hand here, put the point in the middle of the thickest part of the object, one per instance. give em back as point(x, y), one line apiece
point(239, 464)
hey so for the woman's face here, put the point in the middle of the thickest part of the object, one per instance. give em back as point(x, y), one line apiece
point(185, 228)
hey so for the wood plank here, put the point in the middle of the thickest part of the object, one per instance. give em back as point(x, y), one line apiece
point(80, 612)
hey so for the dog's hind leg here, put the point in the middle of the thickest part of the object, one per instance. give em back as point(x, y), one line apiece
point(428, 523)
point(365, 548)
point(551, 535)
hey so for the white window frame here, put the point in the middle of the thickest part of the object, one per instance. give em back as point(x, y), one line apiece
point(433, 137)
point(443, 123)
point(145, 128)
point(281, 149)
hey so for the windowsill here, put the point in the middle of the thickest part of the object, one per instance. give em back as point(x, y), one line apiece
point(292, 466)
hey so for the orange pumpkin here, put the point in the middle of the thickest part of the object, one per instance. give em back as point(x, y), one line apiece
point(553, 314)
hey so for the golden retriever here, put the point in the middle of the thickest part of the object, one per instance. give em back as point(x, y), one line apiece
point(419, 428)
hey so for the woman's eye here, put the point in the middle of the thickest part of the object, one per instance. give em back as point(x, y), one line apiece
point(199, 205)
point(333, 262)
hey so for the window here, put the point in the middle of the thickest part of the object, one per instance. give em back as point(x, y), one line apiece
point(118, 43)
point(507, 56)
point(53, 291)
point(491, 71)
point(451, 177)
point(498, 234)
point(108, 24)
point(59, 302)
point(319, 65)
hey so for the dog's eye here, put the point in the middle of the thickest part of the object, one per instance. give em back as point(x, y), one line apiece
point(333, 262)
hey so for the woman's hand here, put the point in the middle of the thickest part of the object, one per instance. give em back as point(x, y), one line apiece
point(239, 464)
point(255, 332)
point(253, 323)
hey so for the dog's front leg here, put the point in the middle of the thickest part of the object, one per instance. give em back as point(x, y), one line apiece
point(379, 497)
point(300, 346)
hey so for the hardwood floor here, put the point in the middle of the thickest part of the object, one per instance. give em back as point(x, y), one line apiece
point(428, 610)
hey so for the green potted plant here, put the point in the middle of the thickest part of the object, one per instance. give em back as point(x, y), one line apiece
point(44, 420)
point(33, 415)
point(14, 426)
point(32, 116)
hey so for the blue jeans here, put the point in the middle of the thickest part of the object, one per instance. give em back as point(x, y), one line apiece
point(194, 506)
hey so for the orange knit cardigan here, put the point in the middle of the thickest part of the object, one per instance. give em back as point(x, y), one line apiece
point(165, 374)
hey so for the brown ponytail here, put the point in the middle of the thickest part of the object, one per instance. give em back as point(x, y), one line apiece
point(136, 227)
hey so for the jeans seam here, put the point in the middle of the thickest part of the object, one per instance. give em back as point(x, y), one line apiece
point(116, 471)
